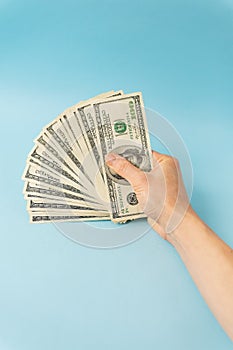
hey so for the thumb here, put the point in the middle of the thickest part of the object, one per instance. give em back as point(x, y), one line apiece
point(124, 168)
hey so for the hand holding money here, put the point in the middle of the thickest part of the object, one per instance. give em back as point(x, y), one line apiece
point(161, 192)
point(66, 178)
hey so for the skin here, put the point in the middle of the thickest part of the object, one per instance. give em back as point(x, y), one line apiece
point(208, 259)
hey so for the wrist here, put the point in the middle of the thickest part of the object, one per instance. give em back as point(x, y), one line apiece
point(184, 229)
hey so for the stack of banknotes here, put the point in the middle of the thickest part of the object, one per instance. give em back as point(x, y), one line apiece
point(66, 178)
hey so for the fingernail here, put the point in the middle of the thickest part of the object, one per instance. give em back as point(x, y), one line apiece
point(110, 157)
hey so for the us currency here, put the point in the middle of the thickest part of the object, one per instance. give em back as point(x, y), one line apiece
point(42, 158)
point(87, 124)
point(49, 180)
point(93, 151)
point(51, 207)
point(60, 157)
point(79, 125)
point(71, 122)
point(80, 103)
point(52, 202)
point(89, 127)
point(56, 157)
point(65, 176)
point(72, 162)
point(58, 175)
point(40, 204)
point(55, 171)
point(73, 125)
point(36, 190)
point(41, 218)
point(54, 143)
point(122, 129)
point(41, 176)
point(71, 133)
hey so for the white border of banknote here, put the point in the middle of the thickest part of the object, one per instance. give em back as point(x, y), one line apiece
point(75, 184)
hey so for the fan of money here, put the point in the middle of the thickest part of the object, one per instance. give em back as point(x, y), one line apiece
point(66, 178)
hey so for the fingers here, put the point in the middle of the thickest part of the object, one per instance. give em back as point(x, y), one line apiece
point(124, 168)
point(157, 154)
point(158, 157)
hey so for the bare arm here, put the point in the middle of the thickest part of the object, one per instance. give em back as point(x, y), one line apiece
point(209, 260)
point(210, 263)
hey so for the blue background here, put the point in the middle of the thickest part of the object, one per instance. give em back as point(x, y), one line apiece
point(55, 294)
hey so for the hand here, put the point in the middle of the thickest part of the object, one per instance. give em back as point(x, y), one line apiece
point(161, 193)
point(162, 196)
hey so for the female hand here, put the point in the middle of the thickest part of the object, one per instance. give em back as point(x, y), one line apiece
point(161, 193)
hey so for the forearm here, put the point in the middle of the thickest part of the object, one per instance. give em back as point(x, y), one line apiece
point(208, 259)
point(210, 263)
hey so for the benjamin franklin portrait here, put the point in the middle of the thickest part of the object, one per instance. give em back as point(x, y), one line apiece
point(134, 155)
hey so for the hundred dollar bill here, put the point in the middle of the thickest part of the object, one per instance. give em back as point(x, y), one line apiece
point(41, 218)
point(122, 129)
point(54, 144)
point(70, 136)
point(73, 128)
point(41, 204)
point(88, 125)
point(86, 118)
point(59, 155)
point(72, 124)
point(80, 103)
point(46, 179)
point(41, 157)
point(37, 190)
point(56, 162)
point(66, 202)
point(69, 212)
